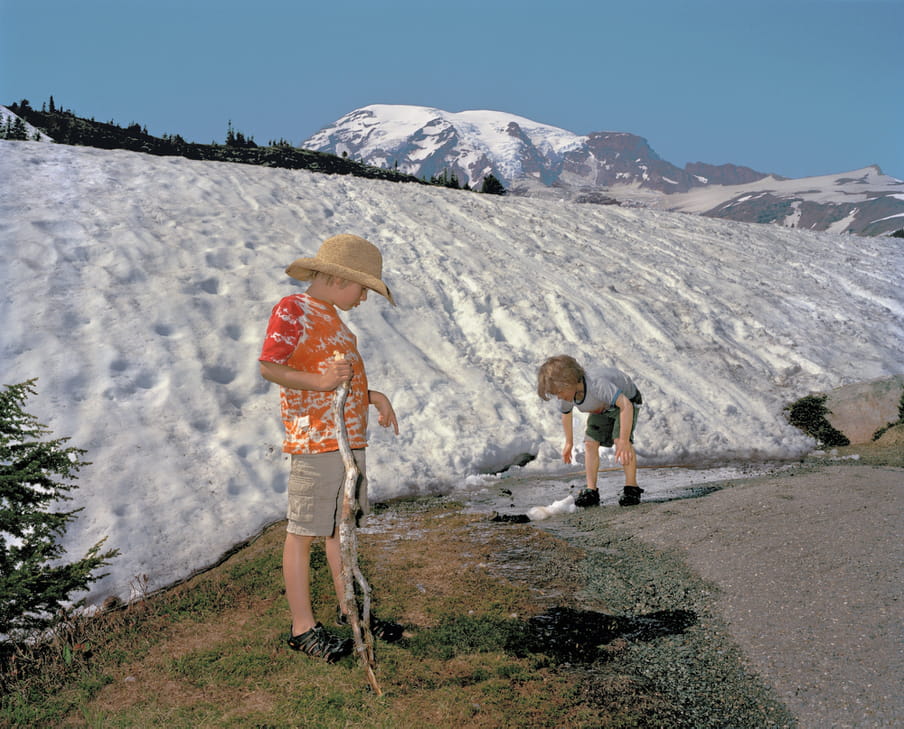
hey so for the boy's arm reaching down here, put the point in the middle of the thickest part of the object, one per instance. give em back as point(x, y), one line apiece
point(624, 449)
point(568, 427)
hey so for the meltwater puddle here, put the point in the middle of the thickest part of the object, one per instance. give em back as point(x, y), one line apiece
point(537, 498)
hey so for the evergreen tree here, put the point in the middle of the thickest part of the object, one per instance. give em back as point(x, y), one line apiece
point(19, 130)
point(446, 179)
point(492, 186)
point(35, 477)
point(237, 139)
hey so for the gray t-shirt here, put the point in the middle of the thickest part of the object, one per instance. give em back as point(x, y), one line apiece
point(602, 386)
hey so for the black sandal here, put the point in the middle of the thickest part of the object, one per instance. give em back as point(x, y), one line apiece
point(383, 629)
point(317, 642)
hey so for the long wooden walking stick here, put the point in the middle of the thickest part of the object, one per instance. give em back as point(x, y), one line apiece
point(348, 544)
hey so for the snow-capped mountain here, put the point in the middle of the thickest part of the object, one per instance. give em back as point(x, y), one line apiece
point(540, 160)
point(864, 201)
point(471, 144)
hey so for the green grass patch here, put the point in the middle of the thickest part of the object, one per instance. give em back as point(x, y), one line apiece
point(212, 653)
point(463, 634)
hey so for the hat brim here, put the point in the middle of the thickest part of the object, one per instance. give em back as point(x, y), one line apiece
point(303, 269)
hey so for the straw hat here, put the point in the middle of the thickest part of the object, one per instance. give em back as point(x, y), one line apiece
point(345, 256)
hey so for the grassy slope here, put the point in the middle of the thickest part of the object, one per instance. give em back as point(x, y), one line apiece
point(211, 652)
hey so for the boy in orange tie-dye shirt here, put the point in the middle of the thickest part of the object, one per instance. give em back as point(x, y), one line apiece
point(304, 333)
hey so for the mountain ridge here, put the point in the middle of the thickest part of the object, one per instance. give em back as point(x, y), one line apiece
point(540, 160)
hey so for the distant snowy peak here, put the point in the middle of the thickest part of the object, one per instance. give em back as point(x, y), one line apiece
point(544, 161)
point(424, 142)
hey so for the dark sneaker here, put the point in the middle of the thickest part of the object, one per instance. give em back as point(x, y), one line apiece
point(383, 629)
point(588, 497)
point(631, 496)
point(319, 643)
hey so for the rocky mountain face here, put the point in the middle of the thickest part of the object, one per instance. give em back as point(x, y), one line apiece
point(618, 158)
point(727, 174)
point(535, 159)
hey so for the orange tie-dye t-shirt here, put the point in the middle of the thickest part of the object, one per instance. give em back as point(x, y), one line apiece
point(303, 333)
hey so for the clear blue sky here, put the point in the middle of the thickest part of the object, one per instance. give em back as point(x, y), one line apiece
point(796, 87)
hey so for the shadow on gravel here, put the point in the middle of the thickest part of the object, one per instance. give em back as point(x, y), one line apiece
point(568, 635)
point(564, 635)
point(695, 492)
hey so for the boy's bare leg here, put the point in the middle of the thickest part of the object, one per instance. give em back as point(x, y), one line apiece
point(631, 473)
point(297, 575)
point(591, 462)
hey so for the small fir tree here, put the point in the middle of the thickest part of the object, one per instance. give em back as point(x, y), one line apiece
point(36, 474)
point(237, 139)
point(446, 179)
point(492, 186)
point(14, 129)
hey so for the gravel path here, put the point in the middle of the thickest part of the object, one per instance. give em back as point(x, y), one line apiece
point(809, 570)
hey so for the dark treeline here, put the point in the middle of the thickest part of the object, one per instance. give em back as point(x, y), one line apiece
point(65, 127)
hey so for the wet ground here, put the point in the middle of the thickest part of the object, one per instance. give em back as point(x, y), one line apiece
point(515, 493)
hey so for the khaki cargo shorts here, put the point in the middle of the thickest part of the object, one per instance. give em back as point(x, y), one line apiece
point(316, 493)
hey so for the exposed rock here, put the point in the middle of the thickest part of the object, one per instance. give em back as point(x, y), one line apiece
point(727, 174)
point(860, 409)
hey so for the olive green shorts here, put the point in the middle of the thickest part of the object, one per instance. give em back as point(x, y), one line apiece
point(316, 492)
point(605, 427)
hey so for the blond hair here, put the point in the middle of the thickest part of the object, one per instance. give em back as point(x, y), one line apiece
point(557, 373)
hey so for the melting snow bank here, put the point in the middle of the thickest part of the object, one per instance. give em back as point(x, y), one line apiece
point(137, 289)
